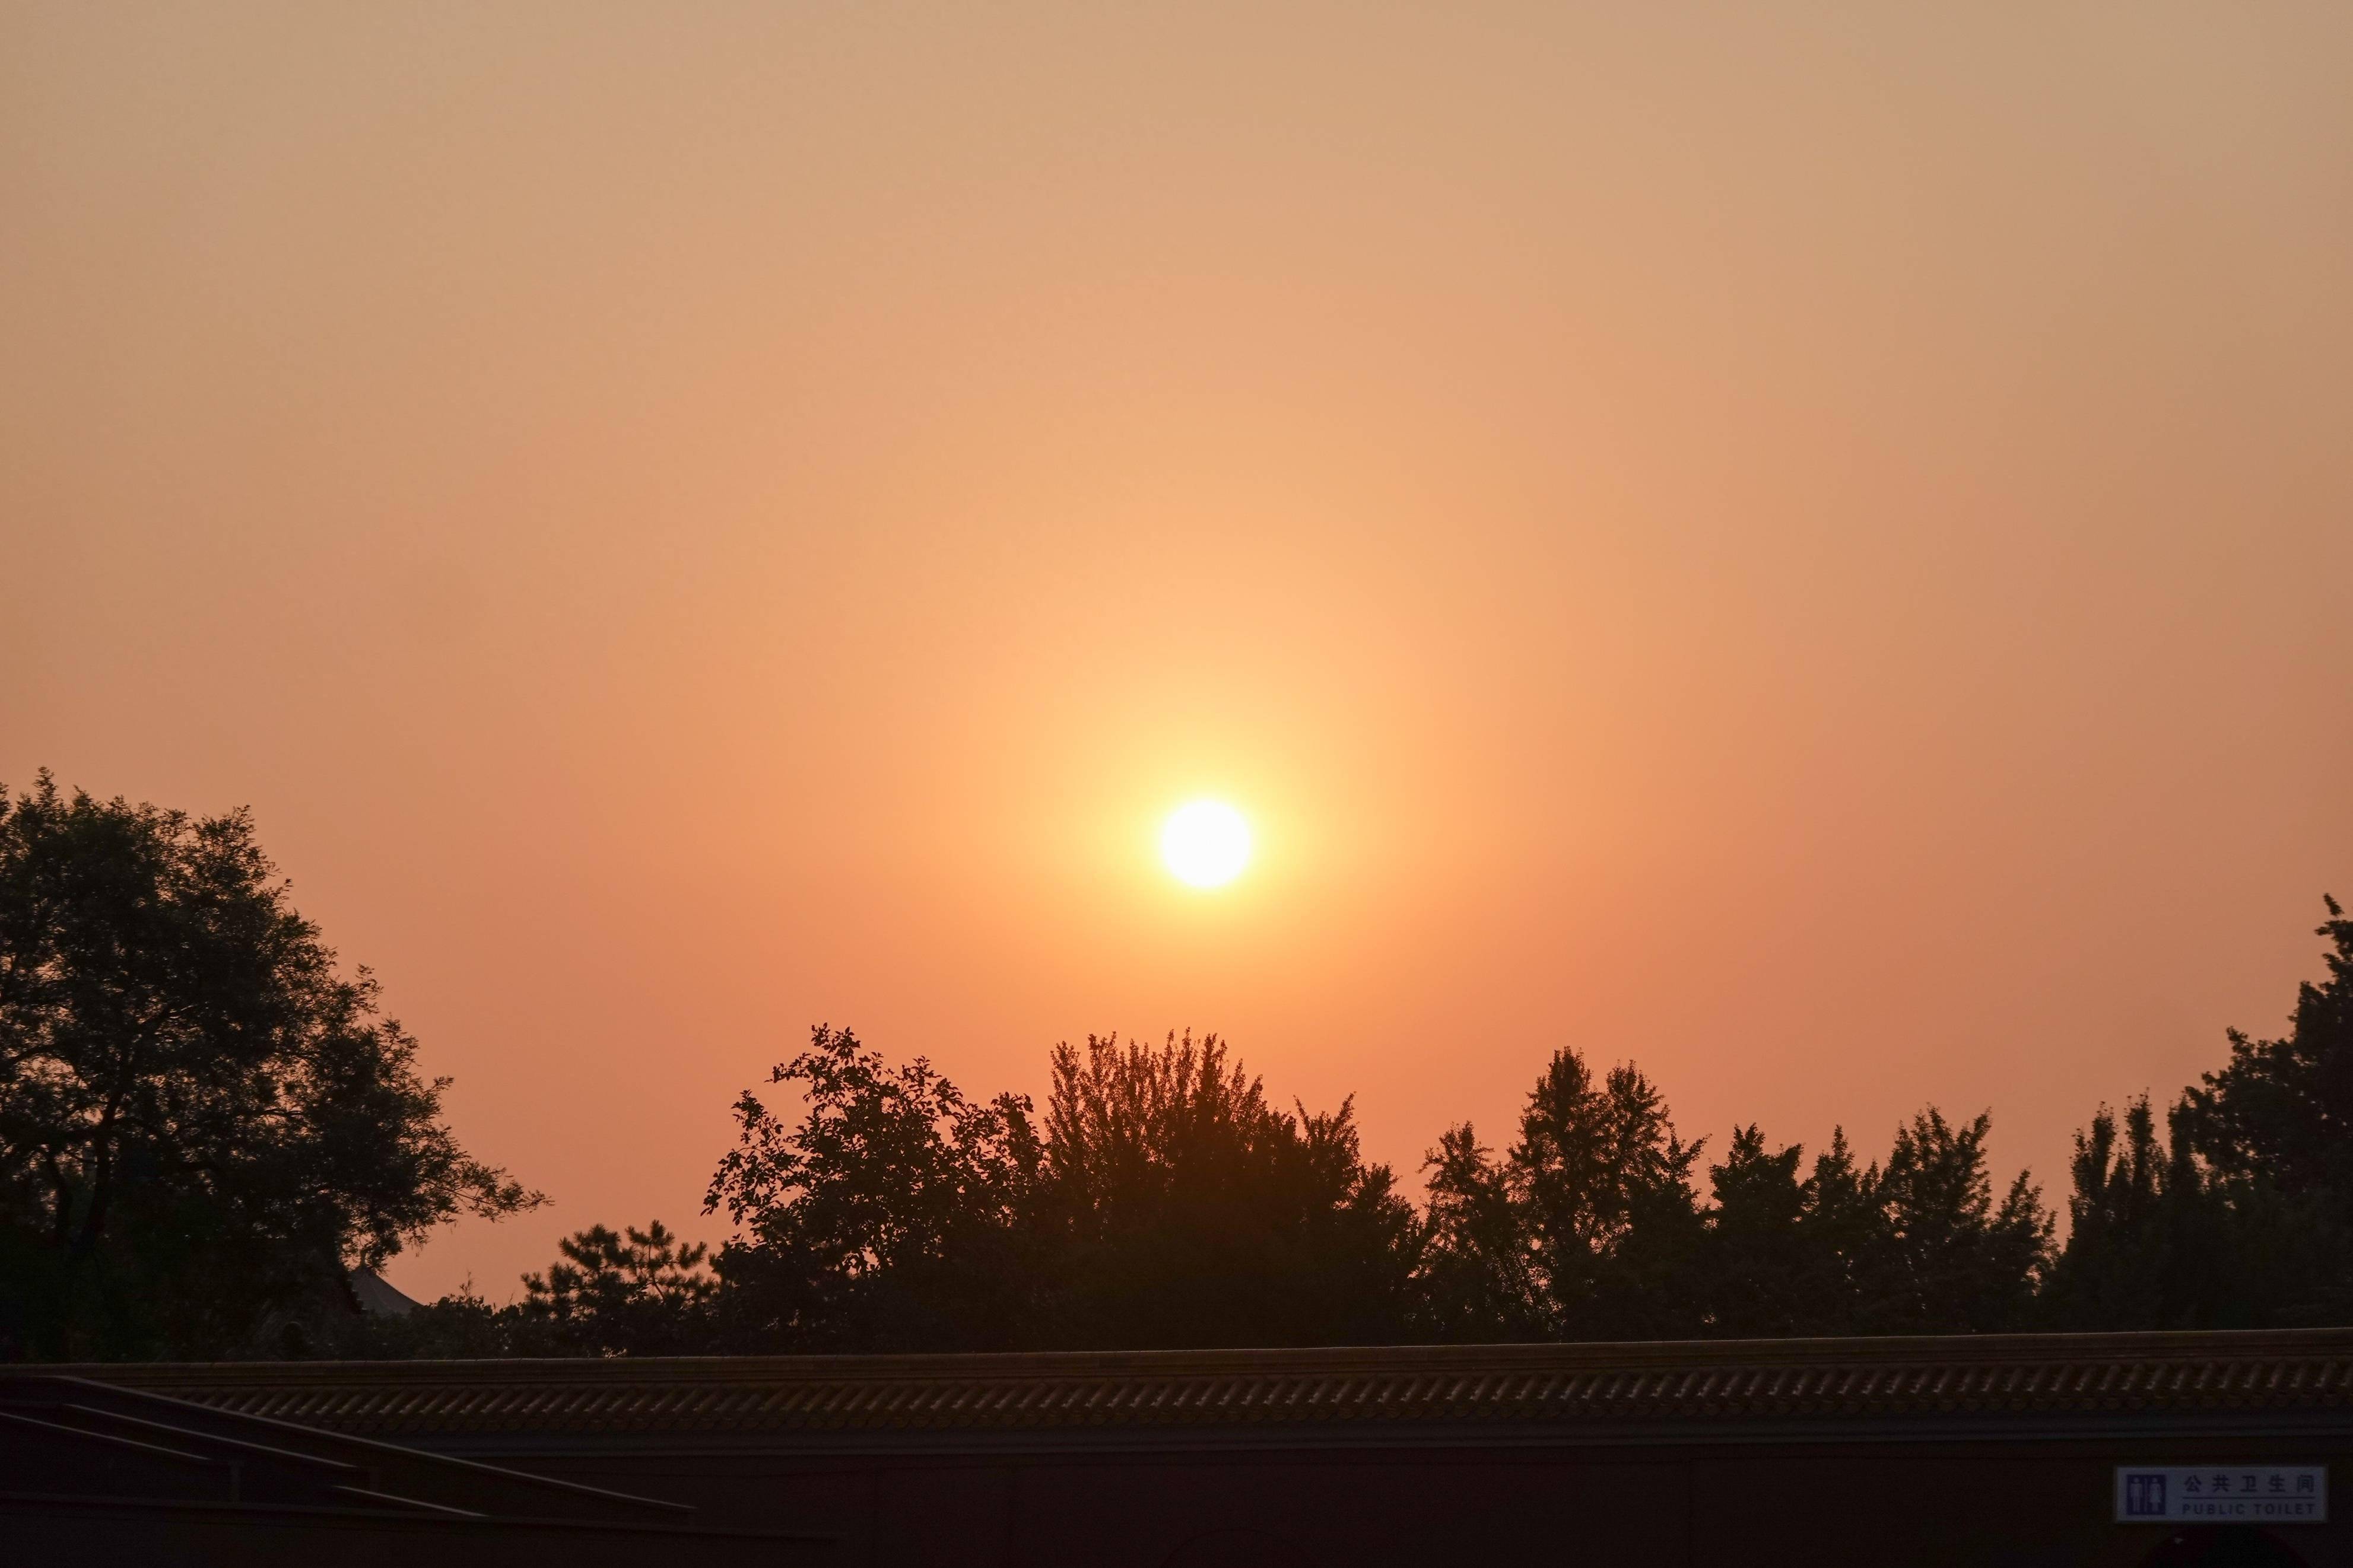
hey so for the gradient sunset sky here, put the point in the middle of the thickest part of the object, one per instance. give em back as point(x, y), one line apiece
point(1807, 545)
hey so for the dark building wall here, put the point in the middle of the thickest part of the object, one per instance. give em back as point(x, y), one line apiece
point(1972, 1450)
point(2021, 1504)
point(91, 1533)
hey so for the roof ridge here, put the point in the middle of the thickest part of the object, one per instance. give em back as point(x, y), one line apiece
point(1552, 1385)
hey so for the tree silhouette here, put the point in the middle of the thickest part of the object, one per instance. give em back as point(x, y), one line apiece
point(1763, 1278)
point(203, 1120)
point(1960, 1262)
point(1607, 1191)
point(888, 1217)
point(1168, 1204)
point(2241, 1216)
point(630, 1292)
point(1479, 1275)
point(1590, 1228)
point(1186, 1210)
point(203, 1123)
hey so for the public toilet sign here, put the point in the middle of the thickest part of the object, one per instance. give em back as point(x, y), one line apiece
point(2258, 1494)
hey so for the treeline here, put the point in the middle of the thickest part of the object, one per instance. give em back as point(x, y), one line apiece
point(1162, 1201)
point(208, 1132)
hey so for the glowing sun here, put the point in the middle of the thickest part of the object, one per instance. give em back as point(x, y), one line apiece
point(1206, 843)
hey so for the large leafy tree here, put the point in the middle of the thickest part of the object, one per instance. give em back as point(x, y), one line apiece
point(1166, 1204)
point(1183, 1209)
point(891, 1215)
point(204, 1120)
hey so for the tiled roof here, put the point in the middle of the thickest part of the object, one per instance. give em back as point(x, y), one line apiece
point(1565, 1389)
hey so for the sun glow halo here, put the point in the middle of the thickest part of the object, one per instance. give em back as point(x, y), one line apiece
point(1206, 843)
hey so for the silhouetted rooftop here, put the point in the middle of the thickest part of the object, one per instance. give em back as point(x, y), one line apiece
point(1574, 1392)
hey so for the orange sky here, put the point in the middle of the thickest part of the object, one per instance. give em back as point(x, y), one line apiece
point(1809, 546)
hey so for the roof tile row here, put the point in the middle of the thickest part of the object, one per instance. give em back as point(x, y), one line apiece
point(1566, 1385)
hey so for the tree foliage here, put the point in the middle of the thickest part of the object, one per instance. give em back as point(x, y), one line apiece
point(1592, 1228)
point(890, 1216)
point(1181, 1208)
point(1583, 1229)
point(617, 1292)
point(2241, 1215)
point(203, 1120)
point(1167, 1203)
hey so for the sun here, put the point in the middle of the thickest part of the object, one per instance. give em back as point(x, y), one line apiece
point(1206, 843)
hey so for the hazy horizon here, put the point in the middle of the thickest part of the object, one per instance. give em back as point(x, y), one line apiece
point(1806, 549)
